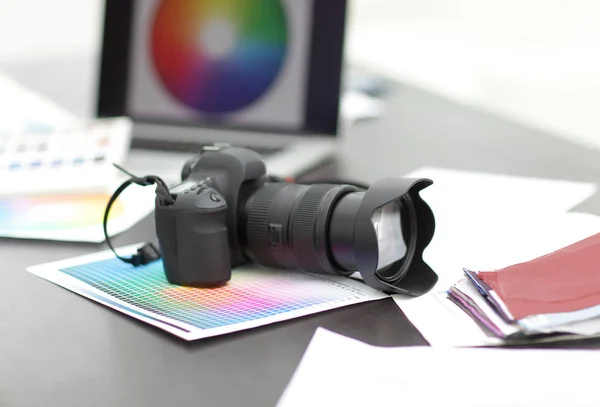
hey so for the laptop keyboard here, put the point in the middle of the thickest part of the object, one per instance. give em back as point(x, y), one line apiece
point(191, 147)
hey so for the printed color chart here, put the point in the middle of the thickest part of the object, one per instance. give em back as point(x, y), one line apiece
point(254, 296)
point(68, 161)
point(72, 217)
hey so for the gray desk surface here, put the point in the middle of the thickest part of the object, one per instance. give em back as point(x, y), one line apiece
point(59, 349)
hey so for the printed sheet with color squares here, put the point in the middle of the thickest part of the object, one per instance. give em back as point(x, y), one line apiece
point(253, 297)
point(76, 160)
point(45, 149)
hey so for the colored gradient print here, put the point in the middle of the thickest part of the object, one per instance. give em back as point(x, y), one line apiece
point(251, 294)
point(218, 82)
point(56, 212)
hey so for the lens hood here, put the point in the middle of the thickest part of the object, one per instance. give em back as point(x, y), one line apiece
point(409, 275)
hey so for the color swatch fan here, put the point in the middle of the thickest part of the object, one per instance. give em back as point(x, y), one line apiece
point(218, 56)
point(556, 293)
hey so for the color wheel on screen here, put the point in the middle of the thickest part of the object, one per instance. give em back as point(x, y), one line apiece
point(218, 56)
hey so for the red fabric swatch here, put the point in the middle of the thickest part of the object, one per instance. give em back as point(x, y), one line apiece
point(563, 281)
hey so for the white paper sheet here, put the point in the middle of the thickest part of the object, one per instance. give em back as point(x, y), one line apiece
point(253, 297)
point(339, 371)
point(24, 110)
point(477, 192)
point(484, 222)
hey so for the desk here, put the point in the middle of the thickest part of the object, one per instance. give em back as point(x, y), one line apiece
point(59, 349)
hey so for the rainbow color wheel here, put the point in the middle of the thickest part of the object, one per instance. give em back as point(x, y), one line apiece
point(218, 56)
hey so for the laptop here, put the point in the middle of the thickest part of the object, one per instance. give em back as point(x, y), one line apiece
point(264, 74)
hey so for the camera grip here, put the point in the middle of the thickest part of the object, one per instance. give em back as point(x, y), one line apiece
point(194, 239)
point(203, 248)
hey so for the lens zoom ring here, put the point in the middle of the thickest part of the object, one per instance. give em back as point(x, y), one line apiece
point(304, 227)
point(257, 225)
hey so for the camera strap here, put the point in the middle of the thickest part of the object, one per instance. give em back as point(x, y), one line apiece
point(148, 252)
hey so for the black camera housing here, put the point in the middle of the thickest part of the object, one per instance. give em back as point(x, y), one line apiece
point(198, 233)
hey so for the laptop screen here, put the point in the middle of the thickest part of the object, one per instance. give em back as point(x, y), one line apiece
point(268, 65)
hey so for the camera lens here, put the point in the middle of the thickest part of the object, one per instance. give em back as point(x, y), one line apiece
point(312, 228)
point(391, 222)
point(287, 225)
point(341, 229)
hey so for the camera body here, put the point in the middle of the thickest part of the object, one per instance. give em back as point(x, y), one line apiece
point(198, 233)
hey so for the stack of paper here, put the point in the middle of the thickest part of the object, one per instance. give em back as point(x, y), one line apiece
point(555, 293)
point(487, 222)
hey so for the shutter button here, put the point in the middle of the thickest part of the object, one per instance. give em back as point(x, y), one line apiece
point(215, 198)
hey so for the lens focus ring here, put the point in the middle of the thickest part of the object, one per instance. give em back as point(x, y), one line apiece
point(257, 224)
point(286, 226)
point(308, 242)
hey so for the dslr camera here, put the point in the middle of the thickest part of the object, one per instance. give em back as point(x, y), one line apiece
point(227, 212)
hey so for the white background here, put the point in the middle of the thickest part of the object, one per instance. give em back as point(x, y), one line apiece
point(535, 61)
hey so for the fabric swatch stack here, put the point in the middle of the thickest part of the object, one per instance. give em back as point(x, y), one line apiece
point(556, 294)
